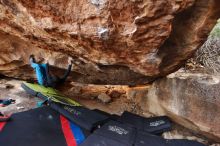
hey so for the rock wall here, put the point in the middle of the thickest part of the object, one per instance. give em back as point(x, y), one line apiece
point(190, 99)
point(111, 41)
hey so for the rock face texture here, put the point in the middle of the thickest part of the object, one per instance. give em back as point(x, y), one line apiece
point(192, 100)
point(189, 99)
point(111, 41)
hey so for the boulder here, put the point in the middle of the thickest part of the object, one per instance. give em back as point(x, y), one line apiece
point(190, 99)
point(111, 41)
point(104, 98)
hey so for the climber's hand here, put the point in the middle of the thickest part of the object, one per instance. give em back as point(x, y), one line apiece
point(70, 60)
point(31, 58)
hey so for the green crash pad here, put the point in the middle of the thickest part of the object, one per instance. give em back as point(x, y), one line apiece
point(85, 118)
point(48, 93)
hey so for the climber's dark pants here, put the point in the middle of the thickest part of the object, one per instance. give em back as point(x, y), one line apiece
point(45, 78)
point(53, 81)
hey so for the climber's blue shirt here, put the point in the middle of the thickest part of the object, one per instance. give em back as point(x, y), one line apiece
point(40, 70)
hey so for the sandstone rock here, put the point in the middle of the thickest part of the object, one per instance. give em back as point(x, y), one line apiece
point(137, 93)
point(191, 100)
point(111, 41)
point(115, 94)
point(104, 98)
point(177, 134)
point(91, 91)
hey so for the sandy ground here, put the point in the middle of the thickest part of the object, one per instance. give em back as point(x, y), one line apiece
point(12, 89)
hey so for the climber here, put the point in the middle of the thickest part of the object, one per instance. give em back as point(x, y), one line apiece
point(43, 75)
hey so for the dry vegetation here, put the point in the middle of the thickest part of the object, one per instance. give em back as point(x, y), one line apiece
point(209, 54)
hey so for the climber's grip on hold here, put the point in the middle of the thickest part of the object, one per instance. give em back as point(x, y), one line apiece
point(43, 75)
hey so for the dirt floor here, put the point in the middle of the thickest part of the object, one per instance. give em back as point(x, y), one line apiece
point(10, 88)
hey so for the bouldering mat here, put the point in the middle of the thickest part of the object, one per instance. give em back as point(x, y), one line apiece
point(41, 127)
point(72, 110)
